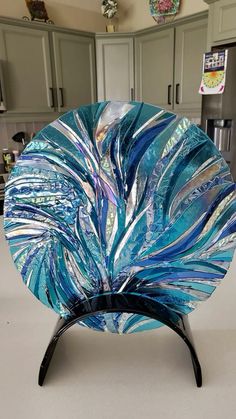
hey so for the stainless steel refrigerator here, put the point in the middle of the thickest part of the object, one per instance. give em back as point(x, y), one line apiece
point(219, 113)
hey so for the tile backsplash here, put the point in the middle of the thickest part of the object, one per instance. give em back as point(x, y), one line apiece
point(8, 129)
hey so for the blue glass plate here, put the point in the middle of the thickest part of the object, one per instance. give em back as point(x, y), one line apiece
point(121, 197)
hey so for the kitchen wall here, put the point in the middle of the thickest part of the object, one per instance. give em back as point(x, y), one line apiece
point(76, 14)
point(135, 15)
point(86, 14)
point(7, 130)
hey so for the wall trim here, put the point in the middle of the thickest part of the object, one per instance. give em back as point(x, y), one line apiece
point(175, 23)
point(43, 26)
point(54, 28)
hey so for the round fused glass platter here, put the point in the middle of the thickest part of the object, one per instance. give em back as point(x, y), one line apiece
point(121, 197)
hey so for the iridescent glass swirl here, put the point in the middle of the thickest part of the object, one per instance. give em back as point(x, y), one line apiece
point(121, 198)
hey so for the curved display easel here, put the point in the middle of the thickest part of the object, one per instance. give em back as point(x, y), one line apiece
point(126, 303)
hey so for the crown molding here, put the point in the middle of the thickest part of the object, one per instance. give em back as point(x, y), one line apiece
point(210, 1)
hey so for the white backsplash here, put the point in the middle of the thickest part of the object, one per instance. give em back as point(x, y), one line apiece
point(8, 129)
point(196, 121)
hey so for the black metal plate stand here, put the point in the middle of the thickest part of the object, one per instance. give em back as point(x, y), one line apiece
point(126, 303)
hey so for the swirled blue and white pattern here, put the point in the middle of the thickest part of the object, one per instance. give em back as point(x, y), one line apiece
point(121, 198)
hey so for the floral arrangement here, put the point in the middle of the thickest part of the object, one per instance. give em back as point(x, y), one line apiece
point(109, 8)
point(161, 8)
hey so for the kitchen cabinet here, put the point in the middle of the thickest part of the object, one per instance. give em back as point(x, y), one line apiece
point(26, 69)
point(115, 68)
point(190, 45)
point(45, 71)
point(225, 20)
point(222, 22)
point(74, 70)
point(168, 66)
point(154, 67)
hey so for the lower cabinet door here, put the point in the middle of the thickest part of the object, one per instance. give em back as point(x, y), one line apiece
point(75, 70)
point(154, 62)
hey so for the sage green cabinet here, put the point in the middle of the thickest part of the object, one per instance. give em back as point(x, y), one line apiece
point(190, 45)
point(27, 72)
point(115, 68)
point(222, 21)
point(154, 63)
point(45, 71)
point(168, 66)
point(74, 70)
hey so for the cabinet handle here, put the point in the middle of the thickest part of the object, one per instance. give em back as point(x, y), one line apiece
point(2, 92)
point(169, 94)
point(132, 93)
point(52, 103)
point(177, 93)
point(1, 95)
point(62, 98)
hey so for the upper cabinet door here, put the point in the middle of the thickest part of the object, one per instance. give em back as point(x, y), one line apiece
point(224, 26)
point(154, 65)
point(115, 69)
point(26, 66)
point(191, 41)
point(75, 70)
